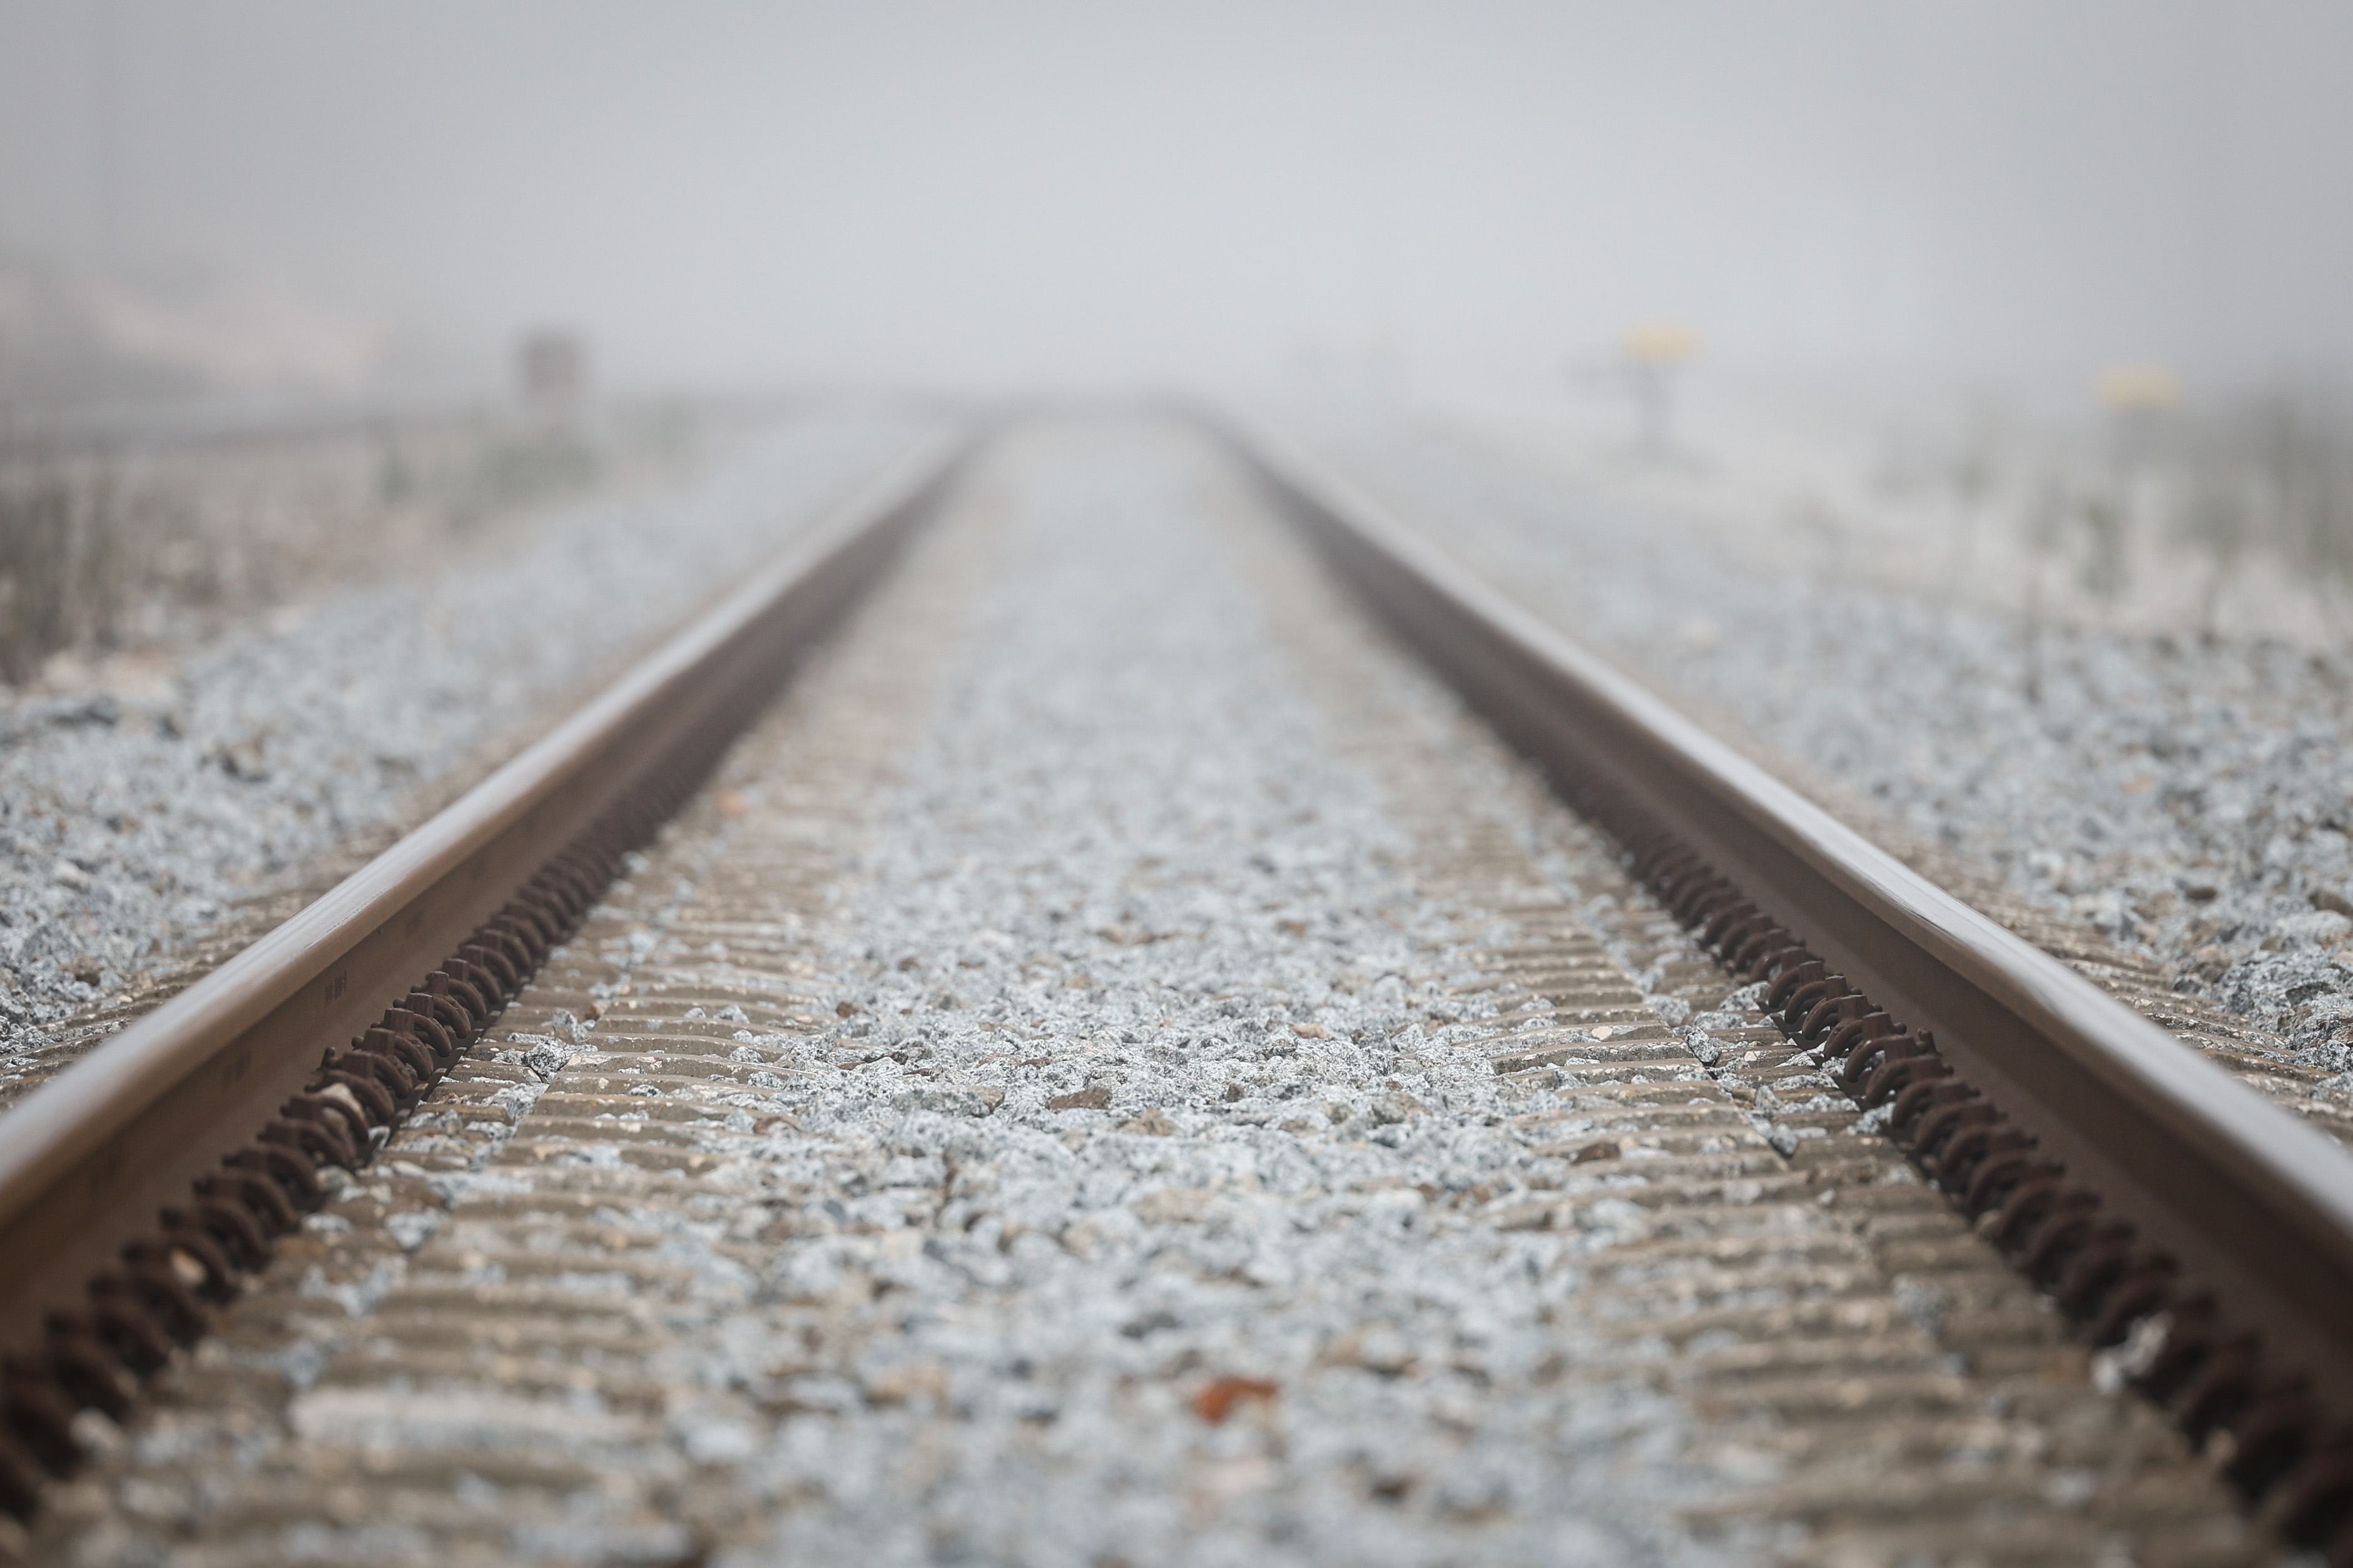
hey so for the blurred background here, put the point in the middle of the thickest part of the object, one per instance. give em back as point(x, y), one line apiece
point(250, 194)
point(1948, 256)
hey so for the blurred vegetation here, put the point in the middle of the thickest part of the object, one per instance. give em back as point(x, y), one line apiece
point(103, 551)
point(2267, 475)
point(2292, 454)
point(517, 471)
point(36, 596)
point(2172, 488)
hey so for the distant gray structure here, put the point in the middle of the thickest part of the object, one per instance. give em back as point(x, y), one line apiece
point(551, 371)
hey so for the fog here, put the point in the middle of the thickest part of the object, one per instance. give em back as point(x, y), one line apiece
point(2005, 192)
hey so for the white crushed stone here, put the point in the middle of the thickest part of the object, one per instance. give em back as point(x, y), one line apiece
point(1084, 888)
point(2189, 800)
point(1132, 858)
point(129, 823)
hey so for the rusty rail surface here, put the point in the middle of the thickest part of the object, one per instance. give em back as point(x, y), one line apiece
point(2201, 1232)
point(150, 1178)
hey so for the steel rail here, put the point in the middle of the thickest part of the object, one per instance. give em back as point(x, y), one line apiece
point(89, 1160)
point(2227, 1222)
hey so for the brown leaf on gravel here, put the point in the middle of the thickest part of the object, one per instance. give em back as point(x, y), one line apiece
point(1095, 1097)
point(1218, 1401)
point(1594, 1151)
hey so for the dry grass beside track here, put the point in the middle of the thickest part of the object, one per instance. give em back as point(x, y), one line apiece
point(131, 550)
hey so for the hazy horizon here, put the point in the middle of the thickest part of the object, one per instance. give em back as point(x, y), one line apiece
point(1058, 194)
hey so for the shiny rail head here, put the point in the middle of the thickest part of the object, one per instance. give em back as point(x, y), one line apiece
point(2131, 1177)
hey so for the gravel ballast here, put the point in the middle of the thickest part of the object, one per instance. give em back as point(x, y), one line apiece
point(2186, 799)
point(1120, 1070)
point(1177, 929)
point(135, 821)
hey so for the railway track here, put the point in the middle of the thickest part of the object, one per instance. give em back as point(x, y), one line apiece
point(1118, 1067)
point(2161, 1201)
point(138, 1187)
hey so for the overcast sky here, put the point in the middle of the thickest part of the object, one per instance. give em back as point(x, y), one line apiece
point(1014, 193)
